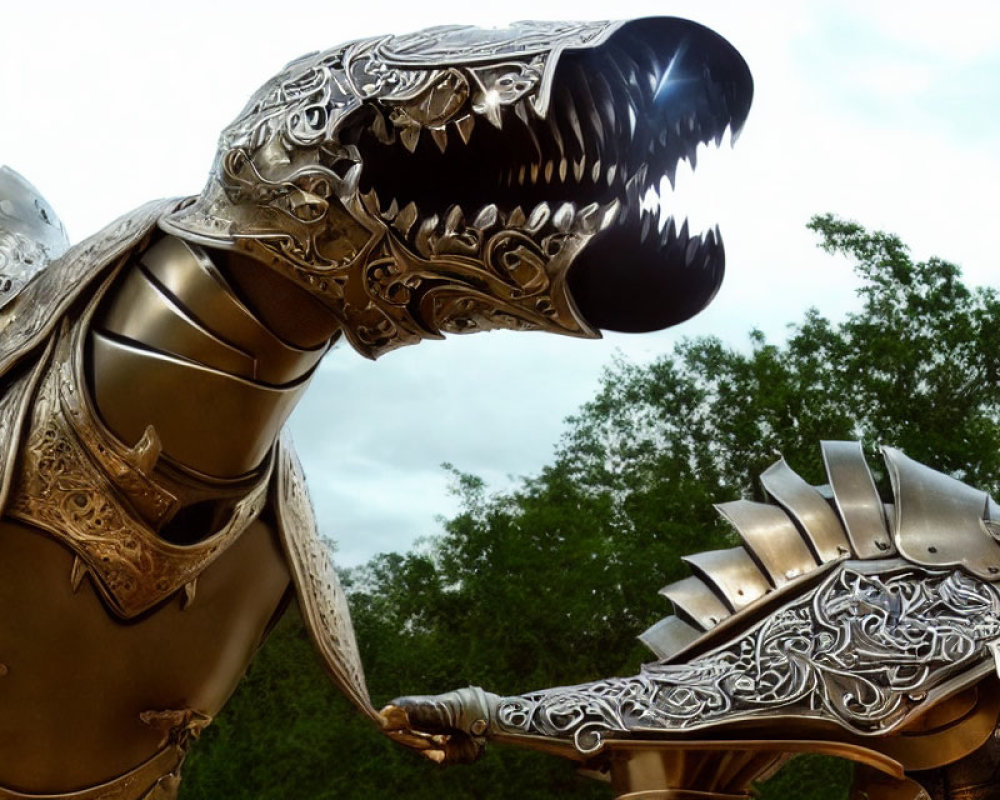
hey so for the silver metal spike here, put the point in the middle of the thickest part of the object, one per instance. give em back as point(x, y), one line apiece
point(610, 175)
point(464, 126)
point(486, 218)
point(563, 169)
point(516, 218)
point(539, 216)
point(550, 168)
point(534, 172)
point(563, 218)
point(410, 137)
point(587, 218)
point(440, 136)
point(595, 171)
point(647, 226)
point(578, 168)
point(610, 214)
point(454, 220)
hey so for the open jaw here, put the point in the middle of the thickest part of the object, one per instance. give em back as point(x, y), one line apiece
point(619, 119)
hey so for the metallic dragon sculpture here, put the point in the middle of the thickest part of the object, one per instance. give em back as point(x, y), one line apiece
point(383, 192)
point(387, 191)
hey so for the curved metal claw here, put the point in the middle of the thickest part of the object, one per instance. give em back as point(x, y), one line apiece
point(446, 728)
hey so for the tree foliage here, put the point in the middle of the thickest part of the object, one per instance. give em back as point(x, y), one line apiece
point(550, 582)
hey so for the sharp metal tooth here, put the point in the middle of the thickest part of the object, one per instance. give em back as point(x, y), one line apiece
point(465, 126)
point(578, 169)
point(520, 175)
point(612, 171)
point(516, 218)
point(563, 218)
point(693, 246)
point(440, 136)
point(595, 171)
point(588, 217)
point(390, 213)
point(550, 167)
point(405, 219)
point(556, 135)
point(647, 226)
point(610, 214)
point(582, 85)
point(486, 218)
point(573, 119)
point(383, 132)
point(410, 137)
point(563, 169)
point(534, 173)
point(454, 220)
point(370, 202)
point(424, 235)
point(632, 192)
point(682, 237)
point(539, 216)
point(671, 173)
point(522, 113)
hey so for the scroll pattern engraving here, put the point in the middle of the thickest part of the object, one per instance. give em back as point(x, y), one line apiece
point(60, 489)
point(863, 651)
point(39, 306)
point(321, 597)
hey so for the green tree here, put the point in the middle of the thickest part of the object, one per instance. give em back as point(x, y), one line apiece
point(549, 583)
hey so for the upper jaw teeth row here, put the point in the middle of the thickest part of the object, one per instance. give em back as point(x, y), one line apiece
point(564, 218)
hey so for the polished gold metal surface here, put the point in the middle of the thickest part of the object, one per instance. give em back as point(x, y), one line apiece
point(64, 491)
point(141, 312)
point(187, 272)
point(220, 425)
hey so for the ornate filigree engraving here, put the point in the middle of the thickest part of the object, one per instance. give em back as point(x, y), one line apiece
point(38, 307)
point(62, 489)
point(864, 650)
point(321, 597)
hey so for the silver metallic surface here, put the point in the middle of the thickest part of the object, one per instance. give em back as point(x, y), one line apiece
point(693, 597)
point(187, 272)
point(31, 234)
point(810, 510)
point(940, 521)
point(857, 499)
point(873, 646)
point(330, 177)
point(772, 538)
point(142, 312)
point(732, 574)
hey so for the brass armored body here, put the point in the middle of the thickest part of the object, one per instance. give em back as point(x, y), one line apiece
point(173, 320)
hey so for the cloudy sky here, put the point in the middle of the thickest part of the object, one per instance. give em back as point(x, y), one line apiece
point(884, 112)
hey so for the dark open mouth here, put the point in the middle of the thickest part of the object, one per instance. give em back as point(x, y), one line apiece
point(621, 118)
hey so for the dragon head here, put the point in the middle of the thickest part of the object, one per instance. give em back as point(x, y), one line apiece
point(461, 179)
